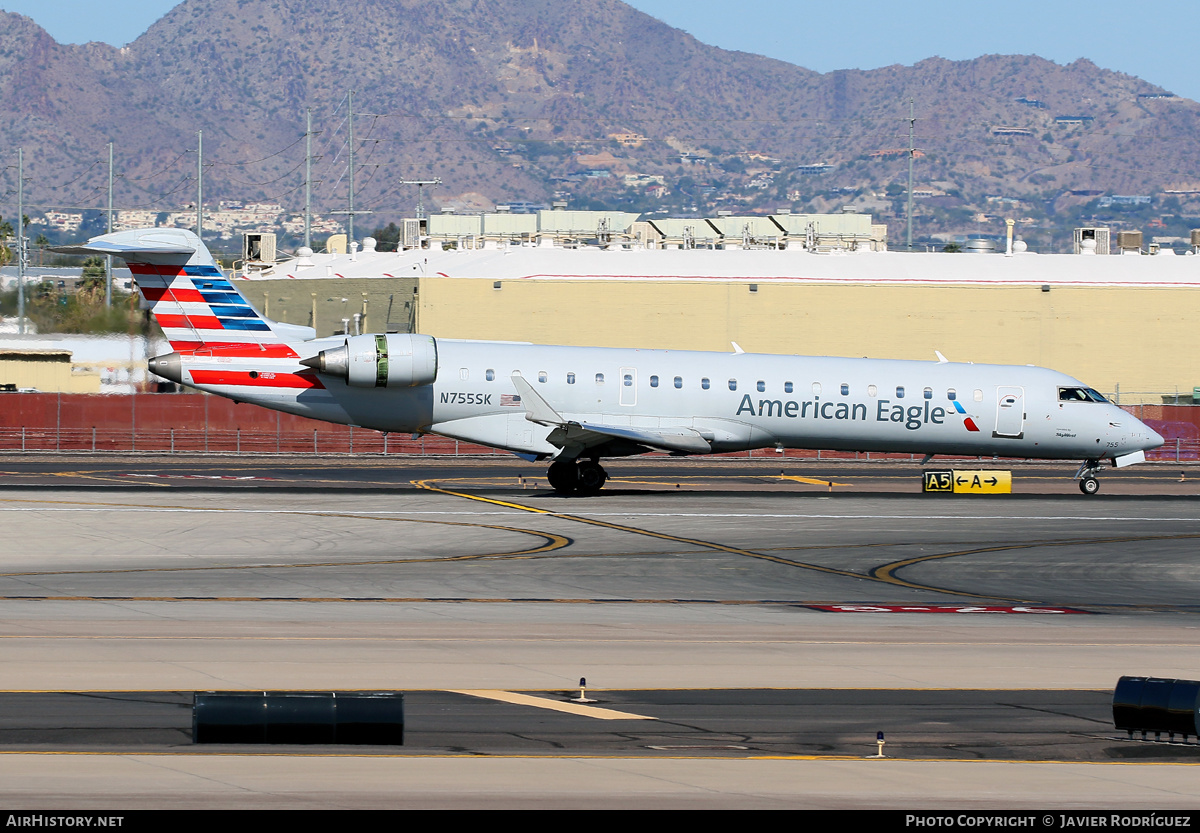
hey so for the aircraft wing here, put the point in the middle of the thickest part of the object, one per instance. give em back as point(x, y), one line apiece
point(586, 434)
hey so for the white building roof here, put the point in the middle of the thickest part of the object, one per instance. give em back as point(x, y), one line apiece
point(533, 263)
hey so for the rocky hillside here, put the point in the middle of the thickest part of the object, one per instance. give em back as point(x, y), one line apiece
point(521, 100)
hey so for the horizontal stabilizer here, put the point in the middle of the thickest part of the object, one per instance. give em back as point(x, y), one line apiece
point(157, 246)
point(104, 247)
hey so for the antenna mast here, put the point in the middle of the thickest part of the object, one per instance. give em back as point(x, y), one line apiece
point(308, 177)
point(421, 183)
point(200, 185)
point(108, 258)
point(21, 241)
point(351, 212)
point(912, 122)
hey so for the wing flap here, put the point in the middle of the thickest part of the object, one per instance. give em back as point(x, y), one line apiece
point(666, 439)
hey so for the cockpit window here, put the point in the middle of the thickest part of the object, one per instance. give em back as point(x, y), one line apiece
point(1079, 395)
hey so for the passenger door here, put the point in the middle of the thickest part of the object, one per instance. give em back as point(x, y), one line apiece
point(628, 382)
point(1010, 413)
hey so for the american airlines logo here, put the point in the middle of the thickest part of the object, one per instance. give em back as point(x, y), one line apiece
point(967, 421)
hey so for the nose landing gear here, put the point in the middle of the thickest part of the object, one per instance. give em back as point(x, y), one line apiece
point(574, 477)
point(1088, 484)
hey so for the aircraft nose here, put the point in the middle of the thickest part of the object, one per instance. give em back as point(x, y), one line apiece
point(1153, 438)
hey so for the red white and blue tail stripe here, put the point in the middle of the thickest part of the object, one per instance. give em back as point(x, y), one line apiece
point(205, 318)
point(198, 309)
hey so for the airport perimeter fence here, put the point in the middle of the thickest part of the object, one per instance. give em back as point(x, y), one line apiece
point(201, 424)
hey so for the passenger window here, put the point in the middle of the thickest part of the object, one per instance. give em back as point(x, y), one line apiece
point(653, 381)
point(704, 383)
point(816, 388)
point(733, 384)
point(627, 380)
point(762, 386)
point(570, 378)
point(490, 375)
point(872, 390)
point(787, 387)
point(542, 377)
point(464, 373)
point(599, 378)
point(978, 395)
point(951, 395)
point(899, 391)
point(928, 393)
point(678, 381)
point(845, 390)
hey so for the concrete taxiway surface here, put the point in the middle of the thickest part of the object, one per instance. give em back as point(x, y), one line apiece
point(450, 576)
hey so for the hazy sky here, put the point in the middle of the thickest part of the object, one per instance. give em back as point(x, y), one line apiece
point(1157, 44)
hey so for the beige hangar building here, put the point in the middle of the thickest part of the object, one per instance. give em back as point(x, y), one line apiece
point(1120, 323)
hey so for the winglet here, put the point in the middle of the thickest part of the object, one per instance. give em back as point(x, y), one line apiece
point(537, 409)
point(736, 347)
point(941, 359)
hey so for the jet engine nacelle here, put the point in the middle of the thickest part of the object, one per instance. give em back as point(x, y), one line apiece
point(381, 361)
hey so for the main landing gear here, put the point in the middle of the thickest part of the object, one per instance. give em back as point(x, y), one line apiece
point(1088, 484)
point(577, 477)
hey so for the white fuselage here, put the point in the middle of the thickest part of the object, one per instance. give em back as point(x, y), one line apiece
point(568, 403)
point(736, 401)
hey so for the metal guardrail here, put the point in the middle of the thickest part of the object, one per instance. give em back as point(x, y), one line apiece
point(237, 441)
point(340, 440)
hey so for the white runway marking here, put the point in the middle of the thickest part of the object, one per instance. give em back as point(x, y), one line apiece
point(552, 705)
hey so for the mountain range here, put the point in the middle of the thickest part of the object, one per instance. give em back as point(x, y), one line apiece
point(532, 100)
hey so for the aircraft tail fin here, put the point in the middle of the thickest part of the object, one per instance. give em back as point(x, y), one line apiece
point(198, 308)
